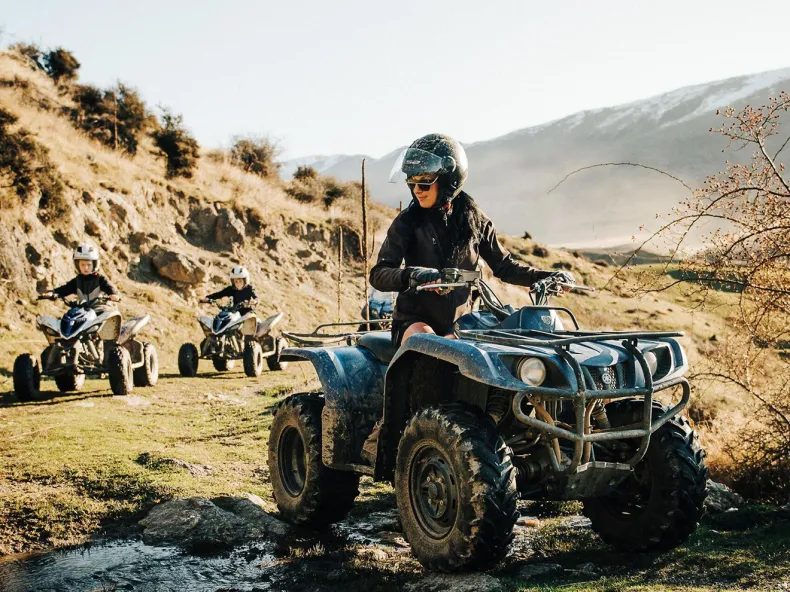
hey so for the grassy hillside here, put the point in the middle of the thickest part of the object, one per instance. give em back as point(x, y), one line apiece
point(127, 207)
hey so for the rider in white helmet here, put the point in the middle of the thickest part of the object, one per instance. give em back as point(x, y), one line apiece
point(89, 283)
point(240, 289)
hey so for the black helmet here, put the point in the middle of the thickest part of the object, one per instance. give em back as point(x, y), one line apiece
point(434, 153)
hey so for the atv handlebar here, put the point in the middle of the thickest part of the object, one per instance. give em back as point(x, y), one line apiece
point(101, 299)
point(233, 307)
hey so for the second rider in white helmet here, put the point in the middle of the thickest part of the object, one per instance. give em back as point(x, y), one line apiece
point(240, 289)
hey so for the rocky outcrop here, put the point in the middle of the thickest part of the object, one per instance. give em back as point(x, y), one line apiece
point(202, 221)
point(176, 266)
point(474, 582)
point(228, 229)
point(721, 498)
point(199, 524)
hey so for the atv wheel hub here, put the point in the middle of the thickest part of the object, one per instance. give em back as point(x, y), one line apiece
point(434, 492)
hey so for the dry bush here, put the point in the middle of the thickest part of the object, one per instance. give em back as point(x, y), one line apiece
point(309, 188)
point(304, 172)
point(176, 144)
point(116, 116)
point(29, 50)
point(25, 167)
point(256, 155)
point(748, 253)
point(61, 65)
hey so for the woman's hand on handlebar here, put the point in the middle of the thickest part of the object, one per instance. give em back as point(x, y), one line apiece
point(115, 297)
point(419, 276)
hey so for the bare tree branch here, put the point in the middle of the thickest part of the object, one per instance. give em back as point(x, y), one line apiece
point(631, 164)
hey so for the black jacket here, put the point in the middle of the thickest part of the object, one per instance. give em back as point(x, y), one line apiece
point(246, 293)
point(87, 286)
point(425, 238)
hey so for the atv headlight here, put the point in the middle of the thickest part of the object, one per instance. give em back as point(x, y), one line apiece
point(652, 362)
point(532, 371)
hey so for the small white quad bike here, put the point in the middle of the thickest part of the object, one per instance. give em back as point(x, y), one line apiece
point(86, 342)
point(232, 336)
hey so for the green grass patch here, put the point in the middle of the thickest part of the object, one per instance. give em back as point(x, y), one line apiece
point(88, 463)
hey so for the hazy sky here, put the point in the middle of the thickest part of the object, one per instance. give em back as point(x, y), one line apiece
point(366, 77)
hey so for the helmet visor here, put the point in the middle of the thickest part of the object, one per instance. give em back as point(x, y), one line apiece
point(414, 162)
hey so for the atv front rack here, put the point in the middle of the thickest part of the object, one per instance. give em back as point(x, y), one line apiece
point(584, 399)
point(319, 338)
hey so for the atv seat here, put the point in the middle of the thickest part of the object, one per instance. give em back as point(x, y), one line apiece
point(379, 343)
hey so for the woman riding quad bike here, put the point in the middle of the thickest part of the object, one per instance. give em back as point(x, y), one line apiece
point(441, 228)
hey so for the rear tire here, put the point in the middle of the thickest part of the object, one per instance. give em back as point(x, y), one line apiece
point(188, 359)
point(148, 373)
point(119, 368)
point(273, 361)
point(27, 377)
point(253, 358)
point(223, 364)
point(70, 382)
point(456, 489)
point(658, 507)
point(306, 491)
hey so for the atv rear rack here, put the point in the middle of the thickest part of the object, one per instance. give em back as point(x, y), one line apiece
point(584, 399)
point(318, 338)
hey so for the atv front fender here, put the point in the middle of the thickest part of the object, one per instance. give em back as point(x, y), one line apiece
point(353, 386)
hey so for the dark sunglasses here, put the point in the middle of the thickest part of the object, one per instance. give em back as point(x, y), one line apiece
point(421, 186)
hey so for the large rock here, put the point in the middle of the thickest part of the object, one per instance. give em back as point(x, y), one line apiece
point(474, 582)
point(176, 266)
point(199, 524)
point(721, 498)
point(201, 225)
point(229, 230)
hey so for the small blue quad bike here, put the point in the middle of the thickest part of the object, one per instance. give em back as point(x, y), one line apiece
point(518, 406)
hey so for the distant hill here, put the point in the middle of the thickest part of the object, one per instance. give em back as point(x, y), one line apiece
point(511, 175)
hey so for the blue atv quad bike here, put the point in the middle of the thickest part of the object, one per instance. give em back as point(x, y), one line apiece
point(516, 406)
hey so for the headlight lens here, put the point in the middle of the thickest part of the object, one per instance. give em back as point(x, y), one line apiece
point(532, 371)
point(652, 362)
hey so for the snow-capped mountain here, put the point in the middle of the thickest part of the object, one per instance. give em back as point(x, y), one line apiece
point(510, 176)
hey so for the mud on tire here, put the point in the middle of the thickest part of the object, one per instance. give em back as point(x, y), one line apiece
point(456, 489)
point(119, 369)
point(148, 373)
point(188, 359)
point(27, 377)
point(659, 507)
point(253, 358)
point(307, 492)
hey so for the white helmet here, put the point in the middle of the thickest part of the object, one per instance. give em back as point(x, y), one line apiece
point(86, 253)
point(240, 272)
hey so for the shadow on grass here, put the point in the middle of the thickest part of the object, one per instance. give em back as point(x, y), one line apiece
point(9, 398)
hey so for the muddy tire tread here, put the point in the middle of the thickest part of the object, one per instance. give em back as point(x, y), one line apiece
point(480, 540)
point(680, 510)
point(328, 494)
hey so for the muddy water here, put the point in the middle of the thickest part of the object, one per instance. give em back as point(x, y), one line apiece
point(132, 565)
